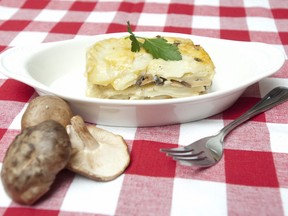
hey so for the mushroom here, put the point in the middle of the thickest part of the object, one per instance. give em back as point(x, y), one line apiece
point(96, 153)
point(180, 83)
point(33, 160)
point(148, 79)
point(46, 107)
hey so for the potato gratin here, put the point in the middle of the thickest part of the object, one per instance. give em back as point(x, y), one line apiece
point(114, 71)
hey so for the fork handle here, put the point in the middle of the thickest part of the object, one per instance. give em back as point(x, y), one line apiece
point(273, 98)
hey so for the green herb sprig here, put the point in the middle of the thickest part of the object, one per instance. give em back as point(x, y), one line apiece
point(158, 47)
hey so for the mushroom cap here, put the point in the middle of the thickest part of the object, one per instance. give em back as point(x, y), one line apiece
point(33, 160)
point(103, 160)
point(46, 107)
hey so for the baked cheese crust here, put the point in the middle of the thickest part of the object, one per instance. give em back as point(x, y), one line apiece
point(114, 71)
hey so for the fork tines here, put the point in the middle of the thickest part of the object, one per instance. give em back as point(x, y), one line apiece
point(183, 154)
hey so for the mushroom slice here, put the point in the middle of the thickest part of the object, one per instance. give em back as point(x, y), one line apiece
point(96, 153)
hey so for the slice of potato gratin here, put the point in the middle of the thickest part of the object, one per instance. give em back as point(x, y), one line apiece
point(114, 71)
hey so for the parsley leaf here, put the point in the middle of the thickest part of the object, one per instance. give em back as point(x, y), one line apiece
point(158, 47)
point(135, 45)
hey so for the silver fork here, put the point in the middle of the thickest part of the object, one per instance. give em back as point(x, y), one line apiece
point(208, 151)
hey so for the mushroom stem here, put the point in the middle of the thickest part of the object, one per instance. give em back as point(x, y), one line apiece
point(80, 128)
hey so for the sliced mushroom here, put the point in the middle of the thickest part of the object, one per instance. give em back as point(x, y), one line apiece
point(178, 83)
point(144, 80)
point(96, 153)
point(159, 80)
point(33, 160)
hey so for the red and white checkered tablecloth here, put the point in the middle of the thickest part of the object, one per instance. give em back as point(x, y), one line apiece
point(251, 179)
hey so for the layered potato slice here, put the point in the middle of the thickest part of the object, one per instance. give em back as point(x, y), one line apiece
point(114, 71)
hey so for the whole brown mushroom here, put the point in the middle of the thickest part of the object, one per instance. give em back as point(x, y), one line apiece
point(46, 107)
point(33, 160)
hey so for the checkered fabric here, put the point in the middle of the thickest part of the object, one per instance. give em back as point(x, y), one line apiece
point(251, 179)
